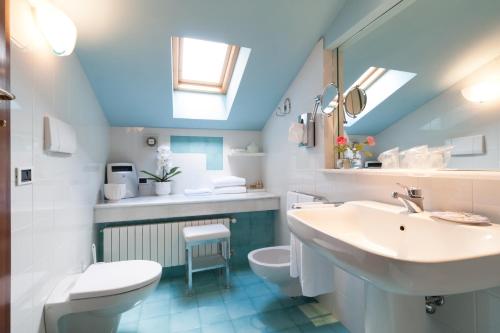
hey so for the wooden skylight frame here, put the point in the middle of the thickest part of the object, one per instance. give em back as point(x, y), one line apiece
point(219, 87)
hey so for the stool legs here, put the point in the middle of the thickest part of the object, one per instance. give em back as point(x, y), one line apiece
point(226, 253)
point(190, 268)
point(224, 250)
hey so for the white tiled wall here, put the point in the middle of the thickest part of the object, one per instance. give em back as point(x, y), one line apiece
point(128, 145)
point(287, 167)
point(52, 219)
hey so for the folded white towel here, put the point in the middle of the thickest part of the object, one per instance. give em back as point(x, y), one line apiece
point(229, 181)
point(230, 190)
point(198, 191)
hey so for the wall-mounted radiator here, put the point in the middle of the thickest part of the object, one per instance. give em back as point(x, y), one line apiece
point(160, 242)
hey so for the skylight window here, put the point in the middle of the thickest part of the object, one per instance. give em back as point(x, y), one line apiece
point(379, 84)
point(202, 66)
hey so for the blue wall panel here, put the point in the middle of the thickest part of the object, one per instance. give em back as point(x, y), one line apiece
point(211, 146)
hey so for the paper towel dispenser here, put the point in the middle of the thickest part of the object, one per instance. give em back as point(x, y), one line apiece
point(59, 137)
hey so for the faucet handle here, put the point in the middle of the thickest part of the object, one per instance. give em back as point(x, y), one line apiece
point(413, 192)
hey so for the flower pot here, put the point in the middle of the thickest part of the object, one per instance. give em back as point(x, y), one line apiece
point(162, 188)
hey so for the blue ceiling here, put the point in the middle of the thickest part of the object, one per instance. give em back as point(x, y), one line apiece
point(442, 41)
point(124, 48)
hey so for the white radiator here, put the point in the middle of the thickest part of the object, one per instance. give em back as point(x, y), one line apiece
point(160, 242)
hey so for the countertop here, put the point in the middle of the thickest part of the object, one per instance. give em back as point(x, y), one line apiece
point(180, 205)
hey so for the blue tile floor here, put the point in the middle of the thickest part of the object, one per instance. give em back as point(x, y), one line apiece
point(251, 305)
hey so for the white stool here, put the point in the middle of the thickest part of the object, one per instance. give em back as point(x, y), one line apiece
point(205, 234)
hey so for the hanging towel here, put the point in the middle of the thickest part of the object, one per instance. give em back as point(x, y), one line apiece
point(314, 271)
point(296, 133)
point(228, 181)
point(198, 191)
point(295, 250)
point(230, 190)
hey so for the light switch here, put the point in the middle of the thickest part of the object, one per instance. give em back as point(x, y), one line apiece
point(24, 176)
point(467, 145)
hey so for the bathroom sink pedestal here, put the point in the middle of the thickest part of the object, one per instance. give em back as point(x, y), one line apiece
point(392, 313)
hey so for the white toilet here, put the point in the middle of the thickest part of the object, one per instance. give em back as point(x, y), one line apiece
point(273, 264)
point(94, 300)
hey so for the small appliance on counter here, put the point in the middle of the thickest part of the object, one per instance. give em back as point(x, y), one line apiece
point(114, 192)
point(373, 164)
point(124, 173)
point(145, 188)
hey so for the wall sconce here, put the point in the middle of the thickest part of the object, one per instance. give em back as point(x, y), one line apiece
point(57, 28)
point(482, 92)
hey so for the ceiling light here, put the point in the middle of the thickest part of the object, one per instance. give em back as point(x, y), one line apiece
point(57, 28)
point(482, 92)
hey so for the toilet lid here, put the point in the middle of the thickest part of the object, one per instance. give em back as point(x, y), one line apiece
point(105, 279)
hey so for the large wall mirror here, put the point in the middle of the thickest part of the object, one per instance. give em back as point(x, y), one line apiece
point(431, 73)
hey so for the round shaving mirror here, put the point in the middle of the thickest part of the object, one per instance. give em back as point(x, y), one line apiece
point(328, 99)
point(355, 102)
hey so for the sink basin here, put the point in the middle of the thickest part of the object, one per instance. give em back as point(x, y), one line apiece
point(403, 253)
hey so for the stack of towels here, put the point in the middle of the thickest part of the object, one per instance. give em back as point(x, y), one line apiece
point(229, 185)
point(198, 191)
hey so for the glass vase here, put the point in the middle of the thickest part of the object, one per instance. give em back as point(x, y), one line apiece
point(344, 163)
point(356, 161)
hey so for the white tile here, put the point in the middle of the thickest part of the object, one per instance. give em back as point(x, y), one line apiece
point(486, 199)
point(447, 194)
point(381, 188)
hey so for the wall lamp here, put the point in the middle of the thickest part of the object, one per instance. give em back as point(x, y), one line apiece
point(57, 28)
point(482, 92)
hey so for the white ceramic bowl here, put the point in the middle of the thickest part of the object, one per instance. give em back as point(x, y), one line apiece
point(114, 192)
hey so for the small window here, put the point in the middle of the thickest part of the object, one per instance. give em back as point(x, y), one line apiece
point(202, 66)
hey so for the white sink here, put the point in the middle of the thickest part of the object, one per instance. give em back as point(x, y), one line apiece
point(399, 252)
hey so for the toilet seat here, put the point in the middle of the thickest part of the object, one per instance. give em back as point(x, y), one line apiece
point(97, 297)
point(106, 279)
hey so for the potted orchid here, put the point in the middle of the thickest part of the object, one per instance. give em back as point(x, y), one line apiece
point(350, 152)
point(165, 171)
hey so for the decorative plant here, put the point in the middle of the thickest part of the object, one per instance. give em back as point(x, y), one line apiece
point(343, 145)
point(165, 171)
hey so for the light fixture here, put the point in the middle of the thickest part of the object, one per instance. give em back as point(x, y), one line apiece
point(482, 92)
point(57, 28)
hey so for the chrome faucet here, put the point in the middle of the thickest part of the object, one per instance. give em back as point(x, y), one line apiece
point(413, 199)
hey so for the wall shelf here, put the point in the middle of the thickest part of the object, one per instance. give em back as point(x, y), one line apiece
point(445, 173)
point(237, 154)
